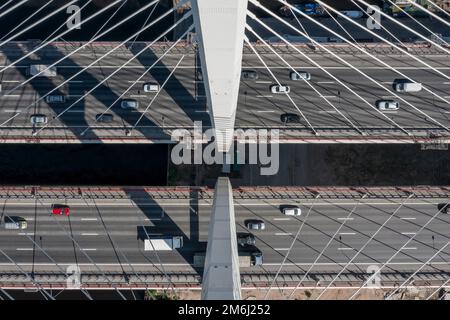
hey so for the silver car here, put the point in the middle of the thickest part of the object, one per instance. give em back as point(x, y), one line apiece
point(55, 98)
point(38, 119)
point(299, 75)
point(255, 225)
point(129, 104)
point(387, 105)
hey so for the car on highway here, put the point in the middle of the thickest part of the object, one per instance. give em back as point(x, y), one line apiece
point(353, 14)
point(15, 223)
point(38, 119)
point(299, 75)
point(444, 207)
point(104, 117)
point(246, 239)
point(404, 85)
point(249, 75)
point(275, 88)
point(290, 118)
point(255, 225)
point(129, 104)
point(151, 87)
point(387, 105)
point(256, 258)
point(292, 211)
point(61, 209)
point(56, 98)
point(311, 9)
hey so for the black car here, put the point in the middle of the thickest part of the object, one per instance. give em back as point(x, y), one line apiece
point(107, 117)
point(444, 207)
point(246, 239)
point(290, 118)
point(249, 75)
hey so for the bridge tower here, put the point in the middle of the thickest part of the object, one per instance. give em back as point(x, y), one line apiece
point(220, 27)
point(221, 276)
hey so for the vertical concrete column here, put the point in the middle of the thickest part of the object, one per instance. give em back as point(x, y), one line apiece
point(220, 27)
point(221, 276)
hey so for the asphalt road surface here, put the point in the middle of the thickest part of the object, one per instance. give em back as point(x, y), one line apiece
point(104, 234)
point(182, 100)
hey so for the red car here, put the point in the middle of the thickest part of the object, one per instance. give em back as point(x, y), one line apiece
point(60, 209)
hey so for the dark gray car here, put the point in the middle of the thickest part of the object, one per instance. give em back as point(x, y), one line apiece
point(106, 118)
point(290, 118)
point(249, 75)
point(246, 239)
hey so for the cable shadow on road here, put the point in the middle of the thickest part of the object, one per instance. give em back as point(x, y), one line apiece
point(174, 87)
point(164, 225)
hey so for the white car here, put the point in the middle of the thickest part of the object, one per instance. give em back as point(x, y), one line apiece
point(292, 211)
point(275, 88)
point(299, 75)
point(353, 14)
point(151, 87)
point(387, 105)
point(38, 119)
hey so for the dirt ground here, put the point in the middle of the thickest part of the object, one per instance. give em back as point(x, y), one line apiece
point(333, 294)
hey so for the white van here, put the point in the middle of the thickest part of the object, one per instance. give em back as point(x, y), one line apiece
point(407, 86)
point(15, 224)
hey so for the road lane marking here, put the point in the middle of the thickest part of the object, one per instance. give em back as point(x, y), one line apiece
point(325, 82)
point(345, 248)
point(88, 219)
point(328, 111)
point(408, 233)
point(89, 249)
point(265, 111)
point(281, 249)
point(409, 248)
point(89, 234)
point(264, 96)
point(263, 82)
point(24, 249)
point(283, 234)
point(281, 219)
point(26, 233)
point(347, 233)
point(345, 219)
point(408, 218)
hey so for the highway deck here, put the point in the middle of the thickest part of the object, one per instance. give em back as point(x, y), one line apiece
point(333, 112)
point(102, 234)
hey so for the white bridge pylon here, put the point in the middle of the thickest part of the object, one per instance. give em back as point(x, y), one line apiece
point(220, 28)
point(221, 275)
